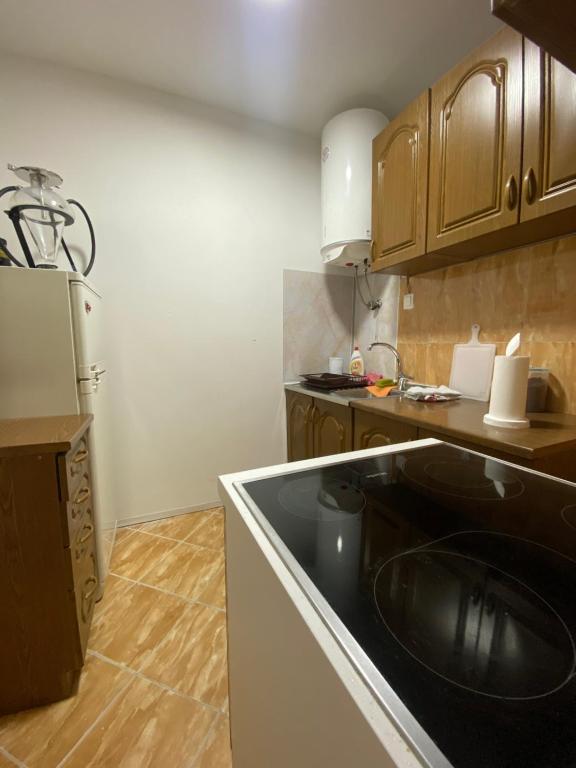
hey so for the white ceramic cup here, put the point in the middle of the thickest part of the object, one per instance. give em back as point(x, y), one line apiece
point(335, 365)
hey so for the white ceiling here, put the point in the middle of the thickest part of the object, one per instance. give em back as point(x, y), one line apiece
point(292, 62)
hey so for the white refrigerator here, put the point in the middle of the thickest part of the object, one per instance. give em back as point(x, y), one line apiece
point(53, 363)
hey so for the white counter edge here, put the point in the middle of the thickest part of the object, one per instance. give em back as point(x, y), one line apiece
point(382, 725)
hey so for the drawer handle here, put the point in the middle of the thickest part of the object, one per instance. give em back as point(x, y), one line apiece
point(89, 530)
point(80, 456)
point(77, 461)
point(512, 192)
point(83, 494)
point(530, 186)
point(87, 595)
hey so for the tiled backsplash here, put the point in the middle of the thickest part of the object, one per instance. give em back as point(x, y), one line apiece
point(532, 290)
point(318, 321)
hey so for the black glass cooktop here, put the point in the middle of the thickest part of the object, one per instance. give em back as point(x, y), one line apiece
point(456, 575)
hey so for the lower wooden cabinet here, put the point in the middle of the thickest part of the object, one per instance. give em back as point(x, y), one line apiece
point(561, 463)
point(48, 572)
point(372, 431)
point(331, 428)
point(316, 427)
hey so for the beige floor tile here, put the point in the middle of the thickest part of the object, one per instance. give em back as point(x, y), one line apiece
point(216, 752)
point(43, 736)
point(192, 656)
point(137, 553)
point(215, 591)
point(121, 534)
point(185, 570)
point(146, 727)
point(134, 623)
point(178, 527)
point(210, 533)
point(5, 762)
point(113, 588)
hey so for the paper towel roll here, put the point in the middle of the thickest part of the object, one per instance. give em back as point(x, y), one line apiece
point(508, 395)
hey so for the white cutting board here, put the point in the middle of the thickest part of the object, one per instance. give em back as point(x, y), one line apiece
point(472, 366)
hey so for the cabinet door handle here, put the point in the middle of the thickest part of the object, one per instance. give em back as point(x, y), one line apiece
point(83, 494)
point(310, 414)
point(511, 192)
point(530, 186)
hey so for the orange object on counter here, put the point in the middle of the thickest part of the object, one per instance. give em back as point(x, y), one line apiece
point(380, 391)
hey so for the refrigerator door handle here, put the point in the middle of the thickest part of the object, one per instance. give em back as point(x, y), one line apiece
point(95, 374)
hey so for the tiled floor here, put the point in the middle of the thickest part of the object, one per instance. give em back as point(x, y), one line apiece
point(153, 692)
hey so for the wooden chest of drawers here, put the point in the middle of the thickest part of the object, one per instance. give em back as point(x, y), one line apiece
point(48, 567)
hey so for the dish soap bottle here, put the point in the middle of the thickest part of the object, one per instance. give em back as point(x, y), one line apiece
point(357, 363)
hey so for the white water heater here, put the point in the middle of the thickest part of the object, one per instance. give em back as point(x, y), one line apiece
point(347, 185)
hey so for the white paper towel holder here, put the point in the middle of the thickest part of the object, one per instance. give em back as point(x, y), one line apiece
point(508, 395)
point(494, 421)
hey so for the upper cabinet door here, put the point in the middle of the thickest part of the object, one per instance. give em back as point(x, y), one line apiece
point(475, 144)
point(549, 168)
point(400, 186)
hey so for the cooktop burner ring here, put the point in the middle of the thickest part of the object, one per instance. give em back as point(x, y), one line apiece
point(322, 499)
point(569, 675)
point(568, 514)
point(470, 482)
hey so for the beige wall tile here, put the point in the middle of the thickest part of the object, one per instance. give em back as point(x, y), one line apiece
point(191, 658)
point(134, 623)
point(216, 753)
point(186, 570)
point(42, 737)
point(146, 727)
point(528, 290)
point(318, 320)
point(136, 554)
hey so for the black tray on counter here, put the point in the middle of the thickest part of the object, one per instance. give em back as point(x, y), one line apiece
point(331, 381)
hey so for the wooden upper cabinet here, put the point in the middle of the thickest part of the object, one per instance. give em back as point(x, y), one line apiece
point(476, 143)
point(400, 186)
point(549, 172)
point(550, 24)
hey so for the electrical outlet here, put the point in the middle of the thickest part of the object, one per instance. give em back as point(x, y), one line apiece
point(408, 301)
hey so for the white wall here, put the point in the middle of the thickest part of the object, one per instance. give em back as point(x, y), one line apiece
point(197, 212)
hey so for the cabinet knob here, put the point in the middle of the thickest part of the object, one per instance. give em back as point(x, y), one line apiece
point(530, 186)
point(511, 192)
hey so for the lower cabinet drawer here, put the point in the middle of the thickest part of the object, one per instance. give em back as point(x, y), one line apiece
point(85, 590)
point(83, 541)
point(373, 431)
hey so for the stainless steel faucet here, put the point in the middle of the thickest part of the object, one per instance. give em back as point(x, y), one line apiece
point(402, 378)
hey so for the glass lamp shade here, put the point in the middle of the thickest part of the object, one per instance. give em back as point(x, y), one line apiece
point(45, 214)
